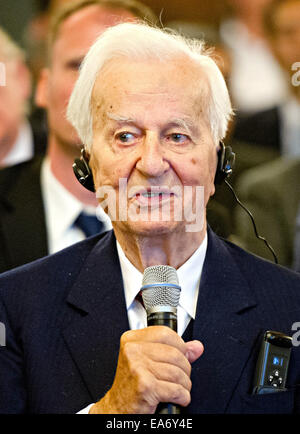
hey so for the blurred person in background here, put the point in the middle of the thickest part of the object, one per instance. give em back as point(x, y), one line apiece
point(43, 207)
point(19, 140)
point(247, 155)
point(35, 39)
point(256, 81)
point(272, 191)
point(36, 34)
point(279, 126)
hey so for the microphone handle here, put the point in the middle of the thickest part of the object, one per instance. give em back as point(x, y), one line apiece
point(168, 319)
point(157, 318)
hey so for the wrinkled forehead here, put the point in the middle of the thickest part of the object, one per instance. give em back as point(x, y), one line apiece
point(151, 80)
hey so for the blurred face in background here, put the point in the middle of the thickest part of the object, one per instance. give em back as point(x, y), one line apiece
point(76, 34)
point(248, 6)
point(285, 39)
point(13, 97)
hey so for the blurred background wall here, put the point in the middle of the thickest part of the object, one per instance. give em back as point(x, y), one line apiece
point(14, 16)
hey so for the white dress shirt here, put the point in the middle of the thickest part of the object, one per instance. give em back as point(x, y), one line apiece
point(256, 79)
point(189, 275)
point(61, 210)
point(23, 148)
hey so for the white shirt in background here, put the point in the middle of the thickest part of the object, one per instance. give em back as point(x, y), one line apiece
point(256, 79)
point(23, 148)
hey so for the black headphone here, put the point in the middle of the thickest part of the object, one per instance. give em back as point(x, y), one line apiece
point(226, 160)
point(83, 171)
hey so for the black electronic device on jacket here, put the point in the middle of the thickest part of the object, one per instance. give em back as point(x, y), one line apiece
point(272, 363)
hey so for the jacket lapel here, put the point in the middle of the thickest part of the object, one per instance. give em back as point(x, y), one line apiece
point(225, 325)
point(98, 317)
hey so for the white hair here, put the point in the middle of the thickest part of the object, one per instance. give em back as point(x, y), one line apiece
point(138, 41)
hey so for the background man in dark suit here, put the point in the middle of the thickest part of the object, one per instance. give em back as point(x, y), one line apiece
point(68, 316)
point(279, 127)
point(271, 192)
point(43, 207)
point(19, 140)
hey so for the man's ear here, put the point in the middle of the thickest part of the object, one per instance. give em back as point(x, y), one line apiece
point(41, 93)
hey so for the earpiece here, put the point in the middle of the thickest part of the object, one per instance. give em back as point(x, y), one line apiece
point(226, 160)
point(83, 172)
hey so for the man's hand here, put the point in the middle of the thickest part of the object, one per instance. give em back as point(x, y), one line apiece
point(154, 366)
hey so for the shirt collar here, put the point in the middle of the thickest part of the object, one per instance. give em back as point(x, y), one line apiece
point(61, 207)
point(23, 148)
point(189, 275)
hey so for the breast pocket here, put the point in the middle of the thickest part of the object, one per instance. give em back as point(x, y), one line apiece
point(269, 403)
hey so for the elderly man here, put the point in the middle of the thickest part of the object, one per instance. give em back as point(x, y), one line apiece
point(45, 189)
point(151, 108)
point(19, 141)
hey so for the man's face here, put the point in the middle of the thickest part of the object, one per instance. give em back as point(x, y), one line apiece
point(75, 37)
point(150, 129)
point(286, 38)
point(13, 97)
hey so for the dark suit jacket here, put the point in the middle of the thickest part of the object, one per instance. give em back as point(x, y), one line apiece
point(272, 193)
point(23, 234)
point(39, 128)
point(64, 316)
point(261, 128)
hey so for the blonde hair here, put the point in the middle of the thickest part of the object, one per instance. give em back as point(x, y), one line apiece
point(137, 41)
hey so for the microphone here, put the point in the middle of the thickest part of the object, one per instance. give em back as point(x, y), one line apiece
point(160, 293)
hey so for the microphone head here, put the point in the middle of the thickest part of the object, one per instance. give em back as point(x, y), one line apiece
point(160, 287)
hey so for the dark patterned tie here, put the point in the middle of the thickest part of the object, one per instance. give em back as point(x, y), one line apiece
point(296, 265)
point(139, 298)
point(89, 224)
